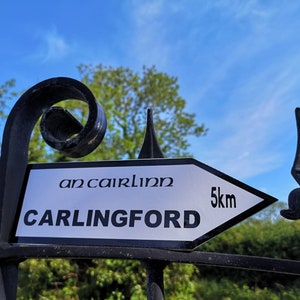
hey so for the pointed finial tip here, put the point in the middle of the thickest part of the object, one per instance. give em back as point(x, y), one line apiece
point(150, 148)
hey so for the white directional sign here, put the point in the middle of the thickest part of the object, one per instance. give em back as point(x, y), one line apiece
point(160, 203)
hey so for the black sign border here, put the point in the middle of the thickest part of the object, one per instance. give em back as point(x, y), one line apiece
point(160, 244)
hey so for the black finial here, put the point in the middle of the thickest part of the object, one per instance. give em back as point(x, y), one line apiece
point(150, 148)
point(293, 213)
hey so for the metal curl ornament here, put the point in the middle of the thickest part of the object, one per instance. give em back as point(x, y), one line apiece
point(63, 132)
point(58, 128)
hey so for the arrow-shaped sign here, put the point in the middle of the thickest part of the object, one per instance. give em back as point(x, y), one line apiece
point(161, 203)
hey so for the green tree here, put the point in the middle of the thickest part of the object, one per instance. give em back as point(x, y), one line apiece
point(265, 235)
point(6, 93)
point(125, 97)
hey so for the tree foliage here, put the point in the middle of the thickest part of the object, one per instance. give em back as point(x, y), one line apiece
point(6, 94)
point(125, 96)
point(270, 236)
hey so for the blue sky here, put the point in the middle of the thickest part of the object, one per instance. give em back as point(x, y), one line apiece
point(237, 62)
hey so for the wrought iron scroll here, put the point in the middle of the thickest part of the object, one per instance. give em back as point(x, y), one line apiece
point(293, 212)
point(73, 140)
point(58, 127)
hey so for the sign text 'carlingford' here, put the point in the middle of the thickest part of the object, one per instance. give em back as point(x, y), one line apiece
point(163, 203)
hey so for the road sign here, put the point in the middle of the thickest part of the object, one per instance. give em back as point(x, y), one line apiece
point(159, 203)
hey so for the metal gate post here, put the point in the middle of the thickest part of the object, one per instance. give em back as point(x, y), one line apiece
point(154, 268)
point(155, 279)
point(9, 280)
point(293, 212)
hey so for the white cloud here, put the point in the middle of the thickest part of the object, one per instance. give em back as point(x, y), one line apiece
point(248, 95)
point(55, 46)
point(240, 9)
point(148, 43)
point(51, 46)
point(147, 11)
point(251, 134)
point(242, 69)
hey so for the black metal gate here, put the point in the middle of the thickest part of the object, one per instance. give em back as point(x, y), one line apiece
point(58, 128)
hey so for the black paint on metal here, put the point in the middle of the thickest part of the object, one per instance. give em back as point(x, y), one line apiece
point(14, 153)
point(293, 212)
point(263, 264)
point(58, 124)
point(17, 133)
point(154, 268)
point(150, 148)
point(155, 279)
point(9, 272)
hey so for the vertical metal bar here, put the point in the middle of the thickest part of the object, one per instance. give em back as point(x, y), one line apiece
point(154, 268)
point(293, 212)
point(155, 279)
point(9, 280)
point(14, 152)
